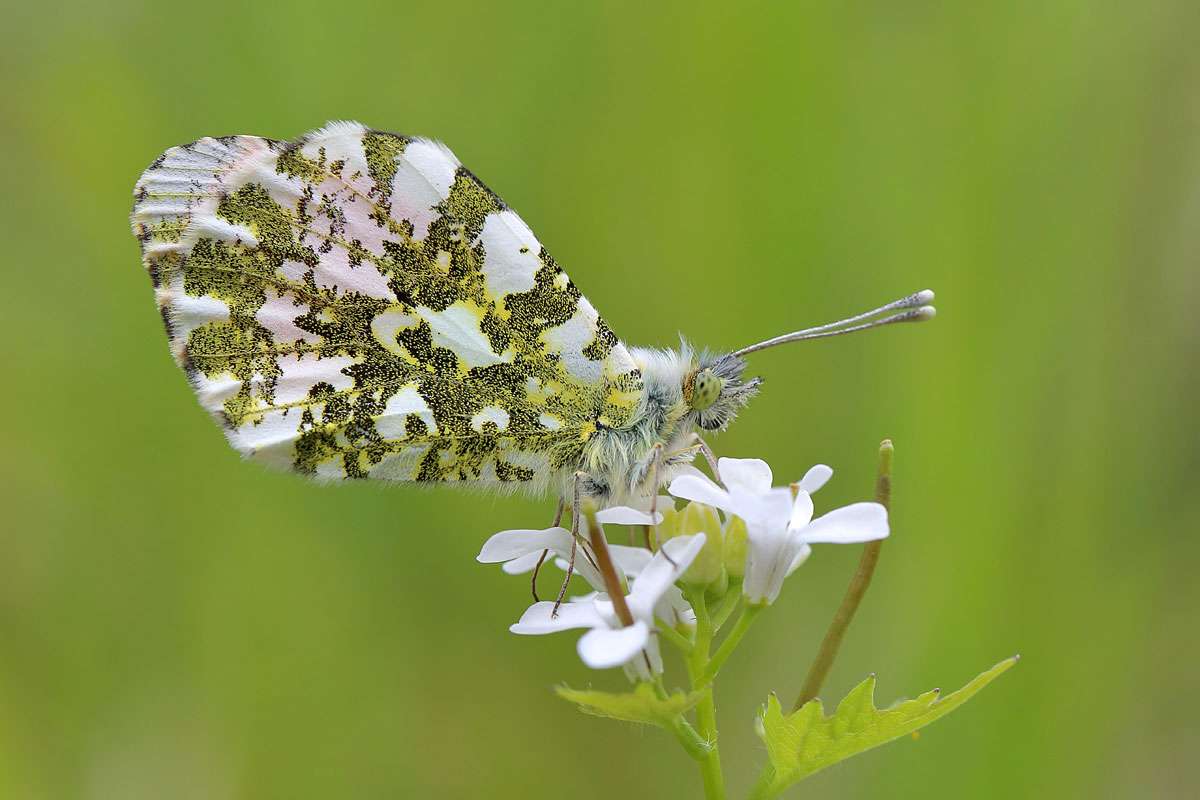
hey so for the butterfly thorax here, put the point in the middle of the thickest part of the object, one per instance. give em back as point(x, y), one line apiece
point(620, 462)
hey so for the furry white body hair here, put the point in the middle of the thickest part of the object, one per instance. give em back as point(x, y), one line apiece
point(619, 463)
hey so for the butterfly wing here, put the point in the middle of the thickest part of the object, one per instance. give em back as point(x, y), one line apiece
point(357, 304)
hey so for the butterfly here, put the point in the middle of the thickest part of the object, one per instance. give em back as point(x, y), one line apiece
point(356, 304)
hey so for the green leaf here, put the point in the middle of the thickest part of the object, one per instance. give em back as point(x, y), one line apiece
point(806, 740)
point(642, 705)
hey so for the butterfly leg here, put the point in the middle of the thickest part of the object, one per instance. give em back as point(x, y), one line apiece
point(575, 508)
point(697, 445)
point(707, 452)
point(558, 515)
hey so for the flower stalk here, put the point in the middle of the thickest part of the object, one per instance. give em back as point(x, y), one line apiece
point(749, 613)
point(731, 603)
point(832, 642)
point(706, 710)
point(612, 582)
point(681, 643)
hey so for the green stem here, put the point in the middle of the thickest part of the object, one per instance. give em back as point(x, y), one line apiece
point(744, 621)
point(692, 742)
point(706, 710)
point(681, 642)
point(710, 767)
point(854, 592)
point(732, 598)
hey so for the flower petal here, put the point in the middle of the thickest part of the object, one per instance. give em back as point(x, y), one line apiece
point(815, 478)
point(660, 573)
point(678, 470)
point(860, 522)
point(601, 648)
point(773, 508)
point(674, 610)
point(770, 554)
point(583, 567)
point(749, 475)
point(647, 664)
point(801, 556)
point(642, 503)
point(507, 545)
point(523, 564)
point(802, 511)
point(539, 618)
point(702, 489)
point(624, 515)
point(630, 560)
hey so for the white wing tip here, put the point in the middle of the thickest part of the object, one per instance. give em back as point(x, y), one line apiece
point(441, 148)
point(338, 127)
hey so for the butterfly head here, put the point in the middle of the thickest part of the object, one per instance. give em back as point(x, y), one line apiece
point(715, 390)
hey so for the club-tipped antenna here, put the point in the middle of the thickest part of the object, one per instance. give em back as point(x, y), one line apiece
point(914, 308)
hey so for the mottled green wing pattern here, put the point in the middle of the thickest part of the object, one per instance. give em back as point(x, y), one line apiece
point(357, 304)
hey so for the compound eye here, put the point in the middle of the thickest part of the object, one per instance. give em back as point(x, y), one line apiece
point(705, 389)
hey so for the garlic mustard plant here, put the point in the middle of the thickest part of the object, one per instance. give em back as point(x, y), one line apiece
point(704, 571)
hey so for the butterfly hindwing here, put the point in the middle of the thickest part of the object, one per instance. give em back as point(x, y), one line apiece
point(358, 304)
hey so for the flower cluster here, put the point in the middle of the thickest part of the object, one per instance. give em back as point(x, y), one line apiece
point(736, 532)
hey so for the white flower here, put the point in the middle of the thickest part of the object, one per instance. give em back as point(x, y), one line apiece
point(747, 492)
point(779, 529)
point(519, 551)
point(775, 554)
point(608, 643)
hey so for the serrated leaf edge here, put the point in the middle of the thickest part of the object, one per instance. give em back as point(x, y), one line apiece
point(859, 702)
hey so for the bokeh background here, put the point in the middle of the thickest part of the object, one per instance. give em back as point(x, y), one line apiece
point(729, 170)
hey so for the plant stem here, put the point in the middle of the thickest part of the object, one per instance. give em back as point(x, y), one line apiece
point(733, 597)
point(854, 592)
point(691, 741)
point(604, 562)
point(706, 710)
point(681, 642)
point(730, 643)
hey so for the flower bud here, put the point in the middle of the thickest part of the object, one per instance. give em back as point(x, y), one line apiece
point(718, 588)
point(735, 548)
point(669, 527)
point(699, 518)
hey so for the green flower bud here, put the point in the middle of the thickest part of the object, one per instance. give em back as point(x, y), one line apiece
point(699, 518)
point(718, 588)
point(735, 548)
point(669, 527)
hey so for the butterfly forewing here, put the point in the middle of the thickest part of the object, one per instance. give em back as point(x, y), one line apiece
point(357, 304)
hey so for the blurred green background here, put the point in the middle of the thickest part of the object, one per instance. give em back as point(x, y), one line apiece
point(727, 170)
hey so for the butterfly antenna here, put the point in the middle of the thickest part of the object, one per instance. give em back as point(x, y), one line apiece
point(914, 308)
